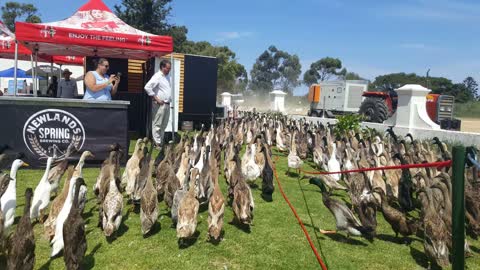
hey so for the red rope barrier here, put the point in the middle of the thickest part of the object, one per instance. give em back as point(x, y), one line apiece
point(408, 166)
point(319, 259)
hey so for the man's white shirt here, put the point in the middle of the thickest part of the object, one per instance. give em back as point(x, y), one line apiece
point(159, 85)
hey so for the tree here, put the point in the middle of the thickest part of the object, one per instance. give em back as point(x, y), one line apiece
point(275, 69)
point(353, 76)
point(151, 16)
point(14, 11)
point(323, 69)
point(472, 87)
point(462, 92)
point(231, 74)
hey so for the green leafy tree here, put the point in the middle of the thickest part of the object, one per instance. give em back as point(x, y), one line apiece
point(463, 92)
point(275, 69)
point(353, 76)
point(231, 74)
point(471, 87)
point(323, 70)
point(14, 11)
point(152, 16)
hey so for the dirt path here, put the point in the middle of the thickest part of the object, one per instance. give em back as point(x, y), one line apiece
point(471, 124)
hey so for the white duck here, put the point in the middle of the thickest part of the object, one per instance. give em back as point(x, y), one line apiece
point(57, 240)
point(250, 169)
point(333, 164)
point(199, 164)
point(279, 140)
point(41, 196)
point(293, 160)
point(9, 198)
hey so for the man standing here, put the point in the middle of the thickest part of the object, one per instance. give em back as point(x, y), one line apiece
point(67, 88)
point(158, 88)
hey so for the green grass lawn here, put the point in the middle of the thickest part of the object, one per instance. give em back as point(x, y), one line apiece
point(274, 242)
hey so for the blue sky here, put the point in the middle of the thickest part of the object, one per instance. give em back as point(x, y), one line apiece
point(370, 37)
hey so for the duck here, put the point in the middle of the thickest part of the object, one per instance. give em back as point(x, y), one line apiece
point(9, 198)
point(74, 237)
point(112, 207)
point(41, 196)
point(330, 182)
point(163, 172)
point(57, 204)
point(132, 168)
point(179, 194)
point(188, 210)
point(143, 176)
point(405, 188)
point(57, 172)
point(216, 208)
point(344, 218)
point(268, 186)
point(182, 170)
point(148, 203)
point(250, 170)
point(319, 157)
point(205, 182)
point(397, 219)
point(21, 251)
point(333, 165)
point(279, 139)
point(435, 231)
point(101, 185)
point(57, 241)
point(293, 160)
point(229, 162)
point(243, 203)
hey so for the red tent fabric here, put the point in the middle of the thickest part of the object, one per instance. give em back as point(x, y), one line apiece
point(93, 30)
point(68, 60)
point(7, 45)
point(7, 50)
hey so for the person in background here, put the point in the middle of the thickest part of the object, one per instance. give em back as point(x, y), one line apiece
point(158, 88)
point(25, 89)
point(52, 88)
point(99, 85)
point(67, 88)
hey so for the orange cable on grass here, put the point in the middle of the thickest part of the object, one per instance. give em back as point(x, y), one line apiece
point(312, 246)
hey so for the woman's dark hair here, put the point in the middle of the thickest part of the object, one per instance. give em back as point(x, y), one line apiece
point(164, 63)
point(99, 61)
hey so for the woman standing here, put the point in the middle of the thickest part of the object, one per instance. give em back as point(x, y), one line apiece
point(98, 85)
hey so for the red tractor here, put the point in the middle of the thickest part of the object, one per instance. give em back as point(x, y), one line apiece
point(378, 106)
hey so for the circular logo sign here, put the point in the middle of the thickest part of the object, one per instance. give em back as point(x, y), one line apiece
point(52, 128)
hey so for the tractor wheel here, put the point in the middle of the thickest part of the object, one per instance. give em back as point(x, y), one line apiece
point(374, 109)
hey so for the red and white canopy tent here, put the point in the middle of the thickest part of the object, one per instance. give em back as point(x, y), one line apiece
point(94, 30)
point(11, 49)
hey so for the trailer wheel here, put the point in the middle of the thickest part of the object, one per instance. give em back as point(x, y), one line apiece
point(374, 109)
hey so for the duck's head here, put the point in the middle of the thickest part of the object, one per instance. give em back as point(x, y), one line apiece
point(318, 182)
point(87, 153)
point(17, 163)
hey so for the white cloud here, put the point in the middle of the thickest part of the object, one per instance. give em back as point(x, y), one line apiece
point(223, 36)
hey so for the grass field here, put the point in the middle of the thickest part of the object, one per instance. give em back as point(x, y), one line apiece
point(275, 241)
point(467, 110)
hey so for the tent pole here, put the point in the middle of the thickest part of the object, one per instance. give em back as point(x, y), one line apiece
point(35, 93)
point(172, 83)
point(15, 69)
point(33, 73)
